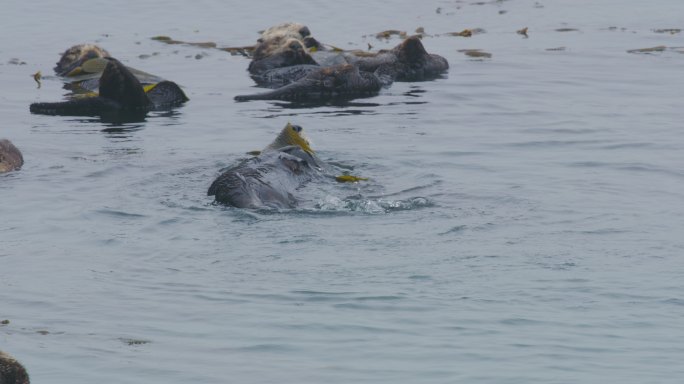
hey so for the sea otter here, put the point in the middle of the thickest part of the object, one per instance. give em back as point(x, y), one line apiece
point(283, 45)
point(290, 52)
point(73, 57)
point(10, 157)
point(11, 371)
point(283, 62)
point(289, 29)
point(270, 179)
point(81, 67)
point(321, 83)
point(86, 77)
point(273, 38)
point(119, 91)
point(408, 61)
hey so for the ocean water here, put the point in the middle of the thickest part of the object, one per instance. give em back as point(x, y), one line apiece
point(522, 222)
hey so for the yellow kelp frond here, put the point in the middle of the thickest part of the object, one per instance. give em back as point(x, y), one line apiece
point(37, 76)
point(349, 179)
point(291, 135)
point(149, 87)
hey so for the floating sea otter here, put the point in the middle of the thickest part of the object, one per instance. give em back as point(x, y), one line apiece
point(11, 371)
point(408, 61)
point(10, 157)
point(82, 65)
point(322, 83)
point(291, 44)
point(119, 91)
point(270, 179)
point(282, 59)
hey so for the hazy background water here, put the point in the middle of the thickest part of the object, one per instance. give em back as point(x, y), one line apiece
point(522, 224)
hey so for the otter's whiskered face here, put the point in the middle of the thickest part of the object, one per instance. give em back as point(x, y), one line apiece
point(276, 53)
point(296, 30)
point(74, 56)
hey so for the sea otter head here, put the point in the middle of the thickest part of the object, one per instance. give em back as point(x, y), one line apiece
point(277, 54)
point(411, 50)
point(73, 57)
point(287, 30)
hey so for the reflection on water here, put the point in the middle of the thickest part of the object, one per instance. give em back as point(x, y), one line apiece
point(312, 104)
point(332, 109)
point(331, 113)
point(415, 91)
point(119, 130)
point(340, 106)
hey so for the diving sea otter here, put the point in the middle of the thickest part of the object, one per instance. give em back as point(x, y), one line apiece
point(270, 179)
point(10, 157)
point(11, 371)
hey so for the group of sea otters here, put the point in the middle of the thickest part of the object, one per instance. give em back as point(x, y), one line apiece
point(287, 60)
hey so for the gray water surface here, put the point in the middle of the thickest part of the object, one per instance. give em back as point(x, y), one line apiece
point(522, 222)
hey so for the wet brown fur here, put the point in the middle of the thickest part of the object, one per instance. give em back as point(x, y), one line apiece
point(78, 53)
point(10, 157)
point(11, 371)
